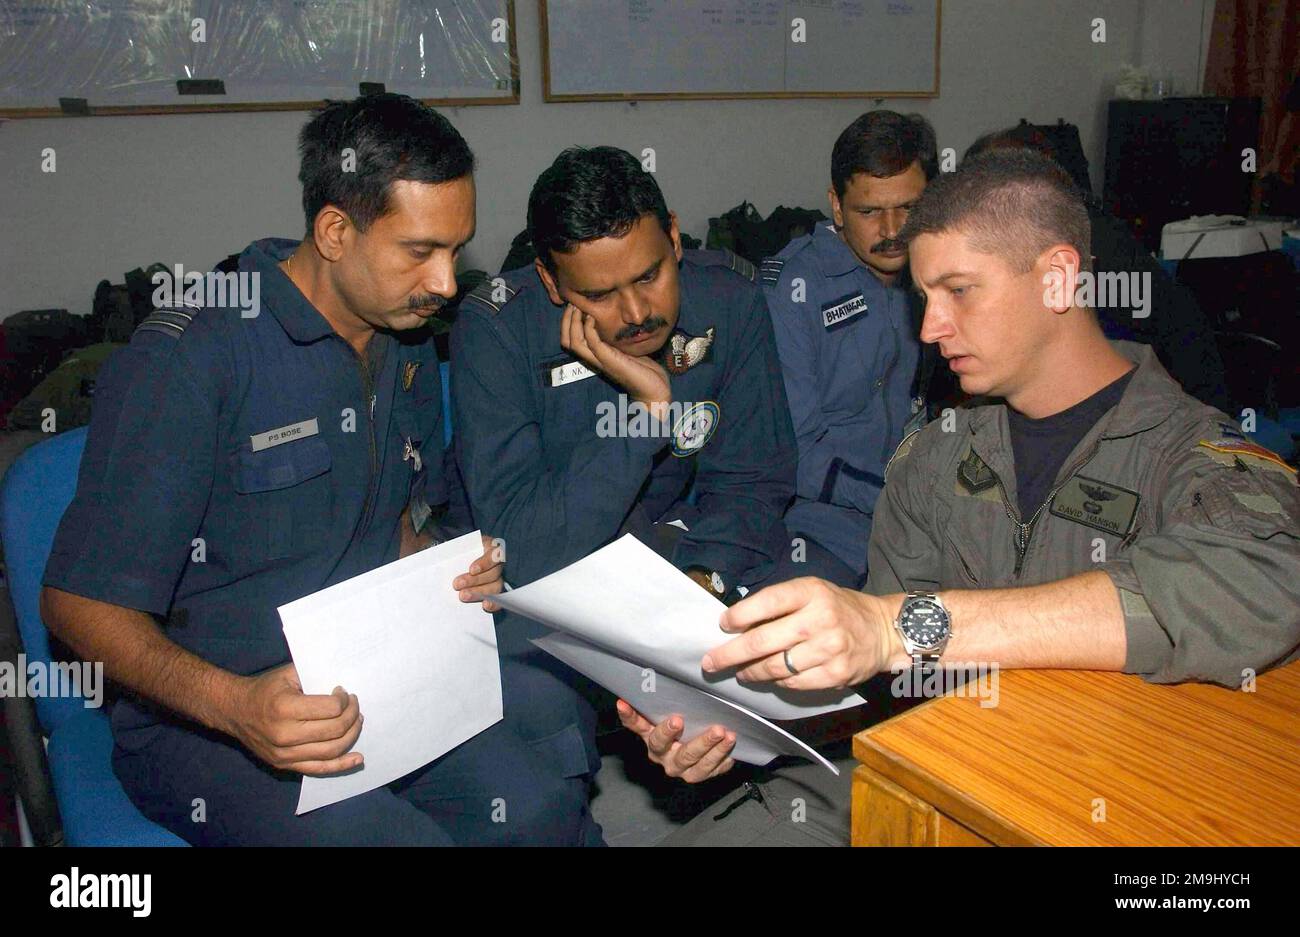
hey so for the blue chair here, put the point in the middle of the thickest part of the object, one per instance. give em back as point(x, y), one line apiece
point(91, 803)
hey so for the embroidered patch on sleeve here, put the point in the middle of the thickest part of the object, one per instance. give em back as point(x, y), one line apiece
point(1249, 449)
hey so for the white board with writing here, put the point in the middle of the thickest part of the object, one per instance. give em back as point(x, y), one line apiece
point(736, 48)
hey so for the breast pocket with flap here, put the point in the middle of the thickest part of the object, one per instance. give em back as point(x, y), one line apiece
point(280, 500)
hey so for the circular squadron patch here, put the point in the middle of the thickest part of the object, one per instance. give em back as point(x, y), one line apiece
point(694, 428)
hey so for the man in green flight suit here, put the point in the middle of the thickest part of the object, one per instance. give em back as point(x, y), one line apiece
point(1083, 512)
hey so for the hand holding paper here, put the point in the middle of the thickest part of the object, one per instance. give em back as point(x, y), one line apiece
point(292, 731)
point(422, 664)
point(484, 576)
point(647, 619)
point(808, 634)
point(707, 755)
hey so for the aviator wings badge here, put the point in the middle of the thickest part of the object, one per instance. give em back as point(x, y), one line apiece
point(685, 352)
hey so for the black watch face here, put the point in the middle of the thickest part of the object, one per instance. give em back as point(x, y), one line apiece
point(925, 623)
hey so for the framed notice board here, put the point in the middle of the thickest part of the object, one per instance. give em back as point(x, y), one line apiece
point(611, 50)
point(162, 56)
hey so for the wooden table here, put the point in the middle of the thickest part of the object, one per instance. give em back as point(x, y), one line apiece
point(1083, 758)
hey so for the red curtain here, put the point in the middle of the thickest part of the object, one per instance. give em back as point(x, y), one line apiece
point(1255, 52)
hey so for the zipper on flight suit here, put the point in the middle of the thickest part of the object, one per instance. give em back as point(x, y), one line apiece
point(752, 792)
point(1025, 531)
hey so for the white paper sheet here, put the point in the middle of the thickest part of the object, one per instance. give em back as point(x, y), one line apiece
point(658, 696)
point(630, 601)
point(423, 664)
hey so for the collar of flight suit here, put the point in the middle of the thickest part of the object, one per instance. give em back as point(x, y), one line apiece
point(697, 304)
point(688, 320)
point(834, 256)
point(300, 320)
point(1150, 398)
point(836, 259)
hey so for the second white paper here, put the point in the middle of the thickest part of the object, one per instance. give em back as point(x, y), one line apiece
point(630, 601)
point(658, 696)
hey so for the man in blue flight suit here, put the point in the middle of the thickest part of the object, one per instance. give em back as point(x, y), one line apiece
point(846, 330)
point(597, 387)
point(243, 455)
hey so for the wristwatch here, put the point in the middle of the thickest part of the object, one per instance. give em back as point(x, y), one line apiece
point(925, 627)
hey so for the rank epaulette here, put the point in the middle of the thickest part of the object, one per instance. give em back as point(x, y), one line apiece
point(770, 270)
point(170, 320)
point(741, 266)
point(491, 295)
point(723, 257)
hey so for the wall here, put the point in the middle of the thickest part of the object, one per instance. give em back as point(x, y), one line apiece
point(191, 189)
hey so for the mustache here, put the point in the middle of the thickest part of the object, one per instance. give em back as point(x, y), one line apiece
point(889, 244)
point(652, 324)
point(426, 302)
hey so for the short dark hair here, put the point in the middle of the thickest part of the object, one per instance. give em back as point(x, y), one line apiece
point(1030, 137)
point(395, 138)
point(883, 143)
point(590, 193)
point(1013, 203)
point(1022, 135)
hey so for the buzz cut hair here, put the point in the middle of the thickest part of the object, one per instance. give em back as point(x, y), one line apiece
point(1012, 203)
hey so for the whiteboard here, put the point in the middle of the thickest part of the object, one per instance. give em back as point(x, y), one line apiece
point(646, 49)
point(126, 56)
